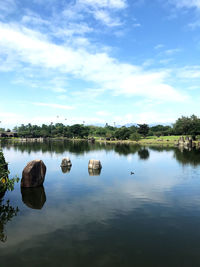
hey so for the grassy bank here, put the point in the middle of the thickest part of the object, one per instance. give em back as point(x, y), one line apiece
point(163, 140)
point(150, 140)
point(160, 140)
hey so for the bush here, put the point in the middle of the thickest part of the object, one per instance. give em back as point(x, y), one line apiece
point(122, 133)
point(135, 136)
point(5, 182)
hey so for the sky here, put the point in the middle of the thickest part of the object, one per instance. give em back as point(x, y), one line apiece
point(99, 61)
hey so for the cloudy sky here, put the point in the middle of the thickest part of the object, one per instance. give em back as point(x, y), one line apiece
point(98, 61)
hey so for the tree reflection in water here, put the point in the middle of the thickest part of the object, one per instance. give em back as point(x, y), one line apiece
point(7, 212)
point(143, 153)
point(187, 157)
point(82, 147)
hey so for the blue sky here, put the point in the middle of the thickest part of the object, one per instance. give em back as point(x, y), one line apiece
point(98, 61)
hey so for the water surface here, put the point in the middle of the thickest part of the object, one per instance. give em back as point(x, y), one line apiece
point(111, 218)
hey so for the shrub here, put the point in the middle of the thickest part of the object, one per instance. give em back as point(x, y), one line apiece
point(135, 136)
point(5, 182)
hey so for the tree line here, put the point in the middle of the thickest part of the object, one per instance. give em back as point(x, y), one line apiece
point(134, 132)
point(182, 126)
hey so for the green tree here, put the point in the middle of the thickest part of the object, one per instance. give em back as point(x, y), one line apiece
point(159, 130)
point(135, 136)
point(187, 125)
point(143, 129)
point(122, 133)
point(79, 130)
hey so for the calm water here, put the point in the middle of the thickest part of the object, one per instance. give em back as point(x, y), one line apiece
point(114, 219)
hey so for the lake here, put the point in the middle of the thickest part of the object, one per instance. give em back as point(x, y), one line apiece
point(111, 218)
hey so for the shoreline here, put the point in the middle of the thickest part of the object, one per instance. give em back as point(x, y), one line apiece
point(148, 141)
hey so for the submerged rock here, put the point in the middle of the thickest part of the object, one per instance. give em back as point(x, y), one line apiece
point(34, 198)
point(33, 174)
point(94, 164)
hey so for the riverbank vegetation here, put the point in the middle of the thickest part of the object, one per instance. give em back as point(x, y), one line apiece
point(5, 182)
point(138, 132)
point(7, 212)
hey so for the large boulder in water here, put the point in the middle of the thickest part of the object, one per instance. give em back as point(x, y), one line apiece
point(33, 174)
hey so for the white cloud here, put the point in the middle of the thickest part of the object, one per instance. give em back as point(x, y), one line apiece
point(158, 46)
point(116, 4)
point(89, 94)
point(34, 19)
point(103, 113)
point(187, 3)
point(52, 105)
point(148, 62)
point(33, 48)
point(73, 12)
point(150, 85)
point(189, 72)
point(137, 25)
point(106, 19)
point(165, 61)
point(6, 7)
point(72, 29)
point(146, 117)
point(193, 87)
point(194, 25)
point(155, 117)
point(59, 90)
point(10, 118)
point(172, 51)
point(62, 97)
point(105, 11)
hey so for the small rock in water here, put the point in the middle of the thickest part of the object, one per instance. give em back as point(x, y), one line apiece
point(94, 164)
point(66, 162)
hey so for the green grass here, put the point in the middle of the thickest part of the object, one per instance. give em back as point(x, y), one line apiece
point(172, 138)
point(159, 140)
point(150, 140)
